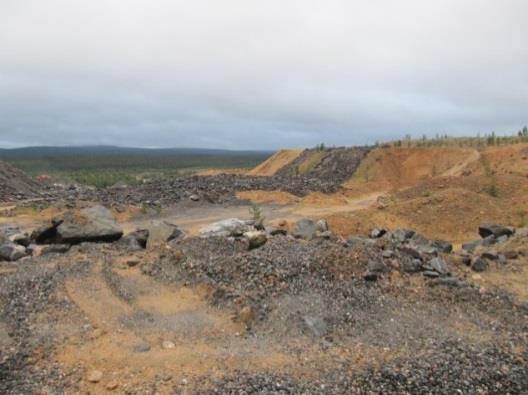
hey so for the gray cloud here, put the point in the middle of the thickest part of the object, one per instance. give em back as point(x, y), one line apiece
point(253, 74)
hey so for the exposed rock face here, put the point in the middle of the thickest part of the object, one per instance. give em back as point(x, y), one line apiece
point(94, 224)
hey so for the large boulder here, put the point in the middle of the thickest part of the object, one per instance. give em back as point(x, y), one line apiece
point(93, 224)
point(229, 227)
point(497, 231)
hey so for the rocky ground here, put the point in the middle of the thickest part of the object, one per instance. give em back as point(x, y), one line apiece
point(327, 175)
point(275, 306)
point(247, 309)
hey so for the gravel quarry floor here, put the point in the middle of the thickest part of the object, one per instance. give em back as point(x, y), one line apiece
point(208, 316)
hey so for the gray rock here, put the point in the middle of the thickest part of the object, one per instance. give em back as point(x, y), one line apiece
point(93, 224)
point(375, 266)
point(438, 265)
point(490, 240)
point(402, 235)
point(411, 251)
point(324, 235)
point(387, 254)
point(486, 230)
point(20, 238)
point(478, 264)
point(431, 274)
point(472, 245)
point(442, 246)
point(356, 241)
point(142, 347)
point(501, 239)
point(418, 240)
point(256, 238)
point(315, 325)
point(425, 249)
point(411, 265)
point(176, 234)
point(322, 225)
point(12, 252)
point(194, 198)
point(233, 227)
point(377, 233)
point(304, 229)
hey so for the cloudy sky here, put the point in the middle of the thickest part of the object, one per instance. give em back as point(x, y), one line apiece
point(259, 74)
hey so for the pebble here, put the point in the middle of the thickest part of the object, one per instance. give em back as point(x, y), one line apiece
point(167, 345)
point(94, 376)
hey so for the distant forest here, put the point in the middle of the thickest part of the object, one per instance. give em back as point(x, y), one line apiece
point(105, 165)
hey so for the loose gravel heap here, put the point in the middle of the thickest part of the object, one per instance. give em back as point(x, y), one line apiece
point(322, 289)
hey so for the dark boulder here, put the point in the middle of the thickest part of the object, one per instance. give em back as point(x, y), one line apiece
point(486, 230)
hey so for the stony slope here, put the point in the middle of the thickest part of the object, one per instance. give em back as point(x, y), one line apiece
point(15, 184)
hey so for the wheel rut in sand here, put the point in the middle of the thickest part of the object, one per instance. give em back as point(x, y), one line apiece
point(155, 330)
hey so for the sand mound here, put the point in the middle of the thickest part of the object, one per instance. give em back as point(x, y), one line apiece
point(280, 159)
point(395, 168)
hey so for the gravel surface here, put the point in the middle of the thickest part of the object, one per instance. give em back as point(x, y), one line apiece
point(398, 334)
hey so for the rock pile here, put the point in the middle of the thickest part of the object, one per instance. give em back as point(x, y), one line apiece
point(479, 254)
point(93, 224)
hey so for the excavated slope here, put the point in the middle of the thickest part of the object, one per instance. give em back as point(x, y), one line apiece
point(270, 166)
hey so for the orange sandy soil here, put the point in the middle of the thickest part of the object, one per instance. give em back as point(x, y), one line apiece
point(441, 192)
point(275, 163)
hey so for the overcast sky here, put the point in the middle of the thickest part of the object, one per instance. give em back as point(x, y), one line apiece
point(259, 74)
